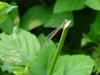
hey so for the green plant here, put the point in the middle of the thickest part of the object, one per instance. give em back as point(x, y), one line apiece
point(23, 24)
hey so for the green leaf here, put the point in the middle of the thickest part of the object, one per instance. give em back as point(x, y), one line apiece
point(68, 5)
point(94, 4)
point(86, 39)
point(7, 26)
point(21, 70)
point(34, 17)
point(2, 5)
point(20, 48)
point(74, 65)
point(14, 14)
point(5, 8)
point(11, 21)
point(96, 56)
point(7, 67)
point(57, 19)
point(42, 63)
point(94, 34)
point(3, 18)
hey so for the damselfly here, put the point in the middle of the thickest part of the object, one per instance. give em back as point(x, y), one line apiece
point(53, 33)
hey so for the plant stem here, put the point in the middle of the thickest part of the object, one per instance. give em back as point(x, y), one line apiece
point(60, 45)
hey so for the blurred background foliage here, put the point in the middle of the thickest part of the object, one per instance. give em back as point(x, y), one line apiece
point(43, 16)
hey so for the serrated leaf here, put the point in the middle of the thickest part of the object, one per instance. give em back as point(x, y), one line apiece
point(35, 16)
point(68, 5)
point(20, 48)
point(74, 65)
point(57, 19)
point(94, 4)
point(42, 63)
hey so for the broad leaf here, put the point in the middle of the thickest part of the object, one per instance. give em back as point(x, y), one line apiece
point(58, 19)
point(74, 65)
point(34, 17)
point(68, 5)
point(42, 63)
point(94, 4)
point(20, 48)
point(3, 18)
point(7, 26)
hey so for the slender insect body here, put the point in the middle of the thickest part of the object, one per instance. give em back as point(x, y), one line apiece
point(64, 25)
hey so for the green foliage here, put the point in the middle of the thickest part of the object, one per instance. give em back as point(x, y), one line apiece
point(7, 26)
point(96, 55)
point(57, 19)
point(4, 17)
point(41, 65)
point(68, 5)
point(34, 17)
point(94, 32)
point(21, 50)
point(74, 65)
point(93, 4)
point(4, 10)
point(8, 20)
point(21, 47)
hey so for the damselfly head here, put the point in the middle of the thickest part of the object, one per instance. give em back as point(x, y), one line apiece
point(66, 23)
